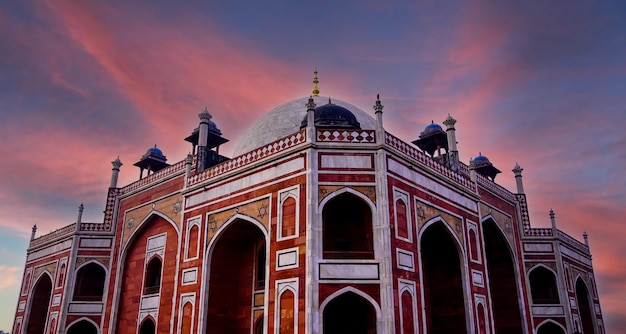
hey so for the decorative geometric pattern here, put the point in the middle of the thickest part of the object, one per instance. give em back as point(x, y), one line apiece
point(523, 207)
point(427, 161)
point(163, 173)
point(250, 157)
point(108, 214)
point(346, 136)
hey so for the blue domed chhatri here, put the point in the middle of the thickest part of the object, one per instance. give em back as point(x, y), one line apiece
point(432, 128)
point(483, 166)
point(153, 161)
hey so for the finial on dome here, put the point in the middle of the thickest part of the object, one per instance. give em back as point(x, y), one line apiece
point(315, 91)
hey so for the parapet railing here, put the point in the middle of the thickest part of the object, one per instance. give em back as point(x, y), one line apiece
point(245, 159)
point(163, 173)
point(570, 241)
point(64, 231)
point(422, 158)
point(494, 187)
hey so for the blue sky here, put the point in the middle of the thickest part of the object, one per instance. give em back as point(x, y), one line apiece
point(539, 83)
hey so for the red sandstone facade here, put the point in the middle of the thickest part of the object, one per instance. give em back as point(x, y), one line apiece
point(323, 230)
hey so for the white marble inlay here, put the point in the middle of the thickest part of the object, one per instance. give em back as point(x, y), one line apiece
point(432, 185)
point(49, 250)
point(348, 271)
point(56, 300)
point(95, 243)
point(405, 259)
point(244, 182)
point(346, 161)
point(477, 278)
point(574, 255)
point(86, 308)
point(21, 306)
point(287, 258)
point(156, 242)
point(532, 247)
point(597, 307)
point(548, 310)
point(190, 275)
point(572, 303)
point(149, 302)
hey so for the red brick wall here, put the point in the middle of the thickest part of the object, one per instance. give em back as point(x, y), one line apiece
point(133, 275)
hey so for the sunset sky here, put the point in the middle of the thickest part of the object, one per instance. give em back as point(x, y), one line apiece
point(541, 83)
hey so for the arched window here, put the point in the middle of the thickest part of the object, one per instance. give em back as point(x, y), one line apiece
point(147, 327)
point(89, 284)
point(192, 242)
point(473, 245)
point(18, 328)
point(288, 219)
point(26, 284)
point(402, 224)
point(584, 307)
point(287, 312)
point(187, 318)
point(152, 282)
point(61, 279)
point(543, 286)
point(482, 327)
point(53, 326)
point(347, 228)
point(408, 323)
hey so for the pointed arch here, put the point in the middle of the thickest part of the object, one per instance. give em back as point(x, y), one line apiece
point(147, 326)
point(231, 270)
point(89, 281)
point(340, 316)
point(585, 309)
point(444, 279)
point(288, 311)
point(288, 217)
point(132, 261)
point(543, 285)
point(550, 326)
point(83, 325)
point(153, 274)
point(502, 276)
point(347, 234)
point(39, 304)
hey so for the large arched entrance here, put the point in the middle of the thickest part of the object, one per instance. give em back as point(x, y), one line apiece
point(349, 313)
point(502, 281)
point(584, 307)
point(39, 305)
point(443, 283)
point(156, 235)
point(236, 273)
point(82, 327)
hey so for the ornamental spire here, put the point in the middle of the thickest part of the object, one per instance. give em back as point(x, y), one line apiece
point(315, 91)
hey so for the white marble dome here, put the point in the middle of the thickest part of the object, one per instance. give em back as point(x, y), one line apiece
point(286, 119)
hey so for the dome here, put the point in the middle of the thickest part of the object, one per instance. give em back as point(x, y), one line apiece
point(481, 158)
point(432, 127)
point(332, 115)
point(154, 151)
point(287, 119)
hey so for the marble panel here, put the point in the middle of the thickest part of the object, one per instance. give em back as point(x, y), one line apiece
point(349, 271)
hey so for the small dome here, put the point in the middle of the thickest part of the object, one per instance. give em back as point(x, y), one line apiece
point(332, 115)
point(432, 128)
point(154, 150)
point(481, 158)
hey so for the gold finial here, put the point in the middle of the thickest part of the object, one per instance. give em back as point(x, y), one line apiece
point(315, 91)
